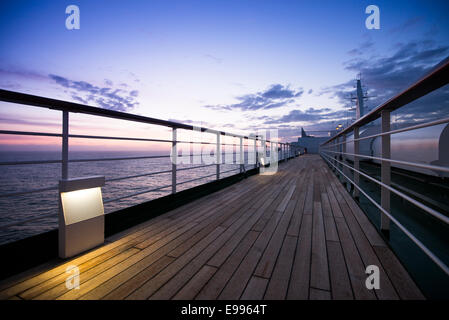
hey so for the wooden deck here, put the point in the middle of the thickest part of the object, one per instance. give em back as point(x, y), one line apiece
point(293, 235)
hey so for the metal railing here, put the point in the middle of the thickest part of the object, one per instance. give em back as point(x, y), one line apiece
point(334, 152)
point(285, 150)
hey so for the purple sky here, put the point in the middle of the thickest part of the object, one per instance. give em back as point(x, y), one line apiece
point(238, 66)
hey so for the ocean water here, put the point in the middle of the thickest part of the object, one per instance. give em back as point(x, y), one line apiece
point(17, 178)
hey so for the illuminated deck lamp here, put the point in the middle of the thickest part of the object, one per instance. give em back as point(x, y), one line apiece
point(81, 215)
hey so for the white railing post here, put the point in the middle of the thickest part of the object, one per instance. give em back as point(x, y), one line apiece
point(385, 170)
point(242, 155)
point(356, 193)
point(218, 155)
point(264, 151)
point(174, 160)
point(343, 158)
point(255, 152)
point(65, 145)
point(337, 155)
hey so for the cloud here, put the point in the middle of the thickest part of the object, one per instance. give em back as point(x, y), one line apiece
point(275, 96)
point(364, 47)
point(105, 97)
point(310, 115)
point(385, 76)
point(407, 25)
point(213, 58)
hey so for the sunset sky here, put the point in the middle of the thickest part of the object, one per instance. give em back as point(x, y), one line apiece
point(239, 66)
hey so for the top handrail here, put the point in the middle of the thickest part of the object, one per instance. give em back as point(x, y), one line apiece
point(435, 79)
point(61, 105)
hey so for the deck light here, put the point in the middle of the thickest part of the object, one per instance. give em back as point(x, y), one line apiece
point(81, 215)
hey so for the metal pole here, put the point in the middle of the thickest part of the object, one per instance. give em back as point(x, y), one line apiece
point(255, 152)
point(242, 156)
point(218, 155)
point(65, 145)
point(174, 161)
point(336, 156)
point(356, 193)
point(264, 151)
point(385, 171)
point(343, 148)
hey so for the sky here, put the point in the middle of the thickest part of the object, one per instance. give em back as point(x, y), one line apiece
point(239, 66)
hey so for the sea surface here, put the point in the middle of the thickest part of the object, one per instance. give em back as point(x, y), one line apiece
point(42, 207)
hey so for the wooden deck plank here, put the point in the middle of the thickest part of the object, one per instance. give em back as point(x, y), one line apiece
point(255, 288)
point(319, 275)
point(318, 294)
point(61, 288)
point(300, 276)
point(237, 283)
point(268, 260)
point(402, 281)
point(278, 285)
point(151, 286)
point(302, 182)
point(173, 285)
point(354, 263)
point(367, 253)
point(239, 227)
point(191, 289)
point(340, 284)
point(127, 287)
point(216, 284)
point(143, 264)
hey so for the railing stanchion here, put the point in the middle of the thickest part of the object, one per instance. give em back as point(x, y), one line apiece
point(356, 193)
point(242, 155)
point(65, 145)
point(255, 152)
point(264, 151)
point(218, 155)
point(385, 170)
point(337, 149)
point(343, 158)
point(174, 160)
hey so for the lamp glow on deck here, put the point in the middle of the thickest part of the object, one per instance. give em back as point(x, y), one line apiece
point(81, 218)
